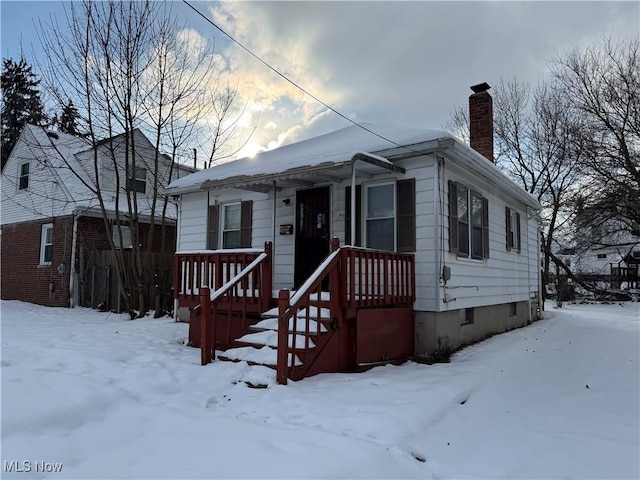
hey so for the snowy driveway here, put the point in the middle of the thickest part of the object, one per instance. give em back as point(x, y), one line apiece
point(98, 396)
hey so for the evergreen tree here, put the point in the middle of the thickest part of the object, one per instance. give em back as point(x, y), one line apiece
point(68, 121)
point(21, 102)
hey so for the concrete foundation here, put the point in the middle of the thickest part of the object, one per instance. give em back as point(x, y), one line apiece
point(439, 331)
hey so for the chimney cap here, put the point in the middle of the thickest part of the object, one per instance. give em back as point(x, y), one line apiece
point(481, 87)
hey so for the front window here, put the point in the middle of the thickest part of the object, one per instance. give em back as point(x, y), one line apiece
point(46, 244)
point(380, 217)
point(24, 177)
point(231, 214)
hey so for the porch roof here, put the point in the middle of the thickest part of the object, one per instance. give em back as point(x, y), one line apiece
point(325, 158)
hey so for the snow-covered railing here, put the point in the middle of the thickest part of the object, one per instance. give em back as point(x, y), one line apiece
point(212, 268)
point(249, 290)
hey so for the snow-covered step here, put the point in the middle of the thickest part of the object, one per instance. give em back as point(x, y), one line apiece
point(270, 338)
point(313, 312)
point(261, 356)
point(272, 324)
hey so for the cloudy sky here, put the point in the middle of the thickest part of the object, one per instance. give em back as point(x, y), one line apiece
point(400, 63)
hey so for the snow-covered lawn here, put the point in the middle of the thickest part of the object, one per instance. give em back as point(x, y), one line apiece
point(106, 397)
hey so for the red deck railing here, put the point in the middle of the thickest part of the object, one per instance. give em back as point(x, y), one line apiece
point(358, 278)
point(214, 268)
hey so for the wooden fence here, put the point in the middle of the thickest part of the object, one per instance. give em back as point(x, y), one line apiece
point(98, 280)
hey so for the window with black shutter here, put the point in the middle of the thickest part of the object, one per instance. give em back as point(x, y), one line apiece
point(231, 223)
point(468, 222)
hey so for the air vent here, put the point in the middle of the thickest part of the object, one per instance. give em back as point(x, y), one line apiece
point(53, 135)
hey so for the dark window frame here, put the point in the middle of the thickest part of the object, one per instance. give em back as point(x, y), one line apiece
point(138, 181)
point(23, 178)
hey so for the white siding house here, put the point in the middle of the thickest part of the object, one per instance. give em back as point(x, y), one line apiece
point(299, 196)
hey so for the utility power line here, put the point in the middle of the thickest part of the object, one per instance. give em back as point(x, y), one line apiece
point(277, 72)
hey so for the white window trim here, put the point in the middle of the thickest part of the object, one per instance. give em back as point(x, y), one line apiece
point(365, 211)
point(223, 214)
point(43, 244)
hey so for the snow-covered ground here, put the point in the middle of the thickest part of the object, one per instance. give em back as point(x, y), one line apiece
point(105, 397)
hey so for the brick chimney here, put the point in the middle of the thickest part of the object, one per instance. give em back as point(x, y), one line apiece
point(481, 120)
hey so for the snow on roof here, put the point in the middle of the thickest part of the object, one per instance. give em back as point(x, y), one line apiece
point(338, 146)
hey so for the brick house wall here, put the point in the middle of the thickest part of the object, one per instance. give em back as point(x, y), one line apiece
point(22, 277)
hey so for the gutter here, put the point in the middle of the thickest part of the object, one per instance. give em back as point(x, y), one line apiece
point(72, 261)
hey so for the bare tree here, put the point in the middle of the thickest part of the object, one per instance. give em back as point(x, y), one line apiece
point(129, 67)
point(602, 86)
point(535, 144)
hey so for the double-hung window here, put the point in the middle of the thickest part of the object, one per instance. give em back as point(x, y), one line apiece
point(385, 215)
point(229, 225)
point(380, 218)
point(513, 230)
point(138, 181)
point(46, 244)
point(468, 222)
point(23, 183)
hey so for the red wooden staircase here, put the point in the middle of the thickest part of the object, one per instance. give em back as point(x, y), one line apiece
point(365, 317)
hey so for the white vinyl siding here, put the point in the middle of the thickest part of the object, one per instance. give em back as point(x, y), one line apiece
point(501, 279)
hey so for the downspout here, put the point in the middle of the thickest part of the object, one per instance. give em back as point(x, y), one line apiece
point(438, 233)
point(72, 269)
point(526, 211)
point(273, 215)
point(176, 307)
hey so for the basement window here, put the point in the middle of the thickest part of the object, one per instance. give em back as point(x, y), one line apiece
point(466, 316)
point(513, 309)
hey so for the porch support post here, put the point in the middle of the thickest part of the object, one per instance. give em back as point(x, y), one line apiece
point(273, 214)
point(353, 202)
point(283, 338)
point(206, 330)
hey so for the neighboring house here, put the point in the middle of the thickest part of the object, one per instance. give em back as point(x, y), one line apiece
point(427, 211)
point(614, 259)
point(55, 248)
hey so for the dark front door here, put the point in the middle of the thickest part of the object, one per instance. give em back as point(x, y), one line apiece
point(312, 231)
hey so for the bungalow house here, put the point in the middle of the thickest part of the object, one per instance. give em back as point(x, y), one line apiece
point(380, 243)
point(55, 249)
